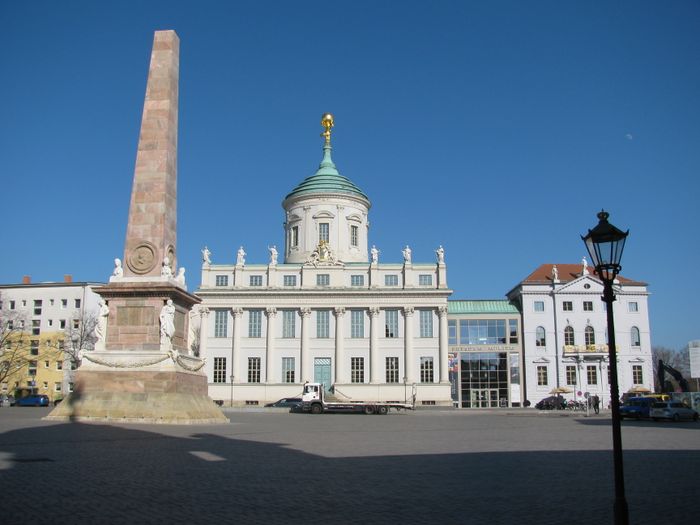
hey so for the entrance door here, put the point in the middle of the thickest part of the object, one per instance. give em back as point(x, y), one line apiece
point(484, 398)
point(322, 372)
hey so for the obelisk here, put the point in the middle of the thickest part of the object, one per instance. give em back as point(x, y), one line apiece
point(142, 370)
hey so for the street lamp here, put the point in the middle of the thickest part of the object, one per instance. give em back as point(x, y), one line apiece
point(605, 244)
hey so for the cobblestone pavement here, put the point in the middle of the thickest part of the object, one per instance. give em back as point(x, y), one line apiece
point(437, 466)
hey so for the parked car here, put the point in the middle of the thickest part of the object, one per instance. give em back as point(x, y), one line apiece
point(33, 400)
point(673, 410)
point(551, 403)
point(637, 407)
point(286, 402)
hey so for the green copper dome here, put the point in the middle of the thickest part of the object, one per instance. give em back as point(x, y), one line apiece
point(327, 180)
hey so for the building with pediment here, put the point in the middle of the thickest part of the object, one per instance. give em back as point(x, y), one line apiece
point(564, 327)
point(325, 309)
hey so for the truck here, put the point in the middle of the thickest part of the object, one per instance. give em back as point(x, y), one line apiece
point(314, 400)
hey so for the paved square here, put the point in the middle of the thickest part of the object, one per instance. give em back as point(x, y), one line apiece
point(276, 467)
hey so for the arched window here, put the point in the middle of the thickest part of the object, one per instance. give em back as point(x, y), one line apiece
point(635, 336)
point(540, 339)
point(569, 336)
point(589, 335)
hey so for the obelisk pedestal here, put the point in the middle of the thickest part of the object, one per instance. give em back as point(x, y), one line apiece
point(143, 371)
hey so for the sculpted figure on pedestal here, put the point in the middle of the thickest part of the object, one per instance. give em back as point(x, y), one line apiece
point(206, 256)
point(167, 322)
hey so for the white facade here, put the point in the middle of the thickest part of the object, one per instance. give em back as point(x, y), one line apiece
point(327, 313)
point(46, 311)
point(565, 333)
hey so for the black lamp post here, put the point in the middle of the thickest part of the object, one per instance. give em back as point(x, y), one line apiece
point(605, 244)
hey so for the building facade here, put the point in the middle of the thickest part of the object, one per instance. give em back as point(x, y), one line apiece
point(329, 312)
point(565, 333)
point(38, 320)
point(486, 358)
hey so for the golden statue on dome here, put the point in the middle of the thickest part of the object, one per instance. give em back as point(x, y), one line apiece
point(327, 123)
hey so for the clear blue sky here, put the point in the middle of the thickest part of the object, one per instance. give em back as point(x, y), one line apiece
point(497, 129)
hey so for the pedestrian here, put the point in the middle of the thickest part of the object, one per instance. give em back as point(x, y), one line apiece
point(596, 404)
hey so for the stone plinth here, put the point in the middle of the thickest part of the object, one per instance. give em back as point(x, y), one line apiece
point(139, 387)
point(134, 310)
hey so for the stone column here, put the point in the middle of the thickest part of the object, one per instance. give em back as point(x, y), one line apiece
point(374, 358)
point(203, 331)
point(408, 372)
point(271, 313)
point(304, 351)
point(339, 313)
point(444, 376)
point(236, 344)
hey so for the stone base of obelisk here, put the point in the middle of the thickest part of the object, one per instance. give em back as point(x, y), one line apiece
point(130, 387)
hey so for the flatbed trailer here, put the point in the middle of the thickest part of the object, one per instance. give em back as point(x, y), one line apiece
point(313, 400)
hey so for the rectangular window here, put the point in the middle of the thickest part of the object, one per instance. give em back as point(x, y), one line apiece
point(357, 369)
point(425, 279)
point(76, 324)
point(323, 324)
point(426, 323)
point(64, 303)
point(34, 347)
point(357, 324)
point(323, 279)
point(633, 306)
point(46, 364)
point(77, 303)
point(253, 369)
point(220, 323)
point(513, 331)
point(12, 305)
point(542, 379)
point(51, 301)
point(587, 306)
point(59, 365)
point(50, 322)
point(452, 332)
point(391, 323)
point(323, 232)
point(256, 280)
point(37, 307)
point(254, 323)
point(391, 280)
point(426, 370)
point(288, 370)
point(392, 369)
point(289, 318)
point(570, 375)
point(45, 384)
point(36, 327)
point(592, 374)
point(62, 324)
point(219, 370)
point(57, 387)
point(637, 377)
point(290, 280)
point(222, 280)
point(71, 386)
point(295, 237)
point(568, 306)
point(357, 280)
point(354, 235)
point(539, 306)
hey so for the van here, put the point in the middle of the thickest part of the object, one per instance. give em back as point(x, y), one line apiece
point(637, 407)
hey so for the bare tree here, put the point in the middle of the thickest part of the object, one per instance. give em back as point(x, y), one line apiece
point(15, 345)
point(678, 359)
point(194, 344)
point(79, 337)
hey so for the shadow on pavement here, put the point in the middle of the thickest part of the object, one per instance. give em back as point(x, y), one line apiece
point(88, 473)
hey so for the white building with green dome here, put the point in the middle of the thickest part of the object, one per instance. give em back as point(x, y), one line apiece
point(329, 311)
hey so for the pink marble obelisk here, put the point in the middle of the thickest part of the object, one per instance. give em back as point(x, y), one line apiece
point(151, 233)
point(143, 371)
